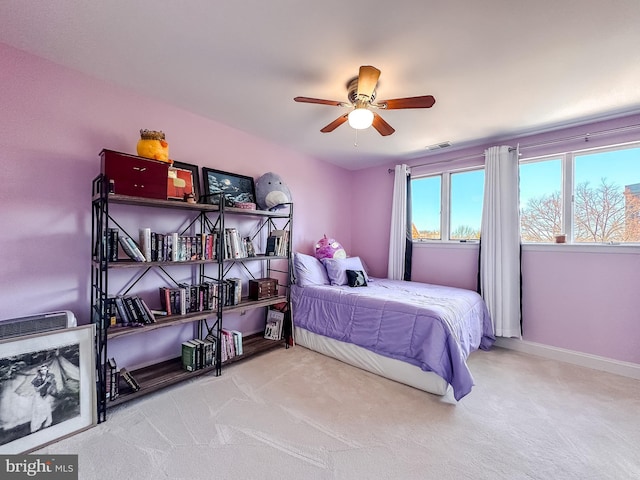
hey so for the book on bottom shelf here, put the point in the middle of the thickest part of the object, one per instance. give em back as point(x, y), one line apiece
point(210, 352)
point(131, 382)
point(237, 340)
point(198, 353)
point(189, 352)
point(228, 344)
point(212, 340)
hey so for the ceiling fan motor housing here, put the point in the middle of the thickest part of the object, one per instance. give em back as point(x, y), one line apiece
point(352, 91)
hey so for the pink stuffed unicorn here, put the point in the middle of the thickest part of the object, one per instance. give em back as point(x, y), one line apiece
point(329, 248)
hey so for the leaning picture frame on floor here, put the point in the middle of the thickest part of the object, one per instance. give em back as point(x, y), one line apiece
point(48, 388)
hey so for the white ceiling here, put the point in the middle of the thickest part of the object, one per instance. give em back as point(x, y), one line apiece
point(497, 68)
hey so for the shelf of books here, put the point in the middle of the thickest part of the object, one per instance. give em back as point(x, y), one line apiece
point(254, 344)
point(150, 379)
point(168, 321)
point(220, 278)
point(137, 383)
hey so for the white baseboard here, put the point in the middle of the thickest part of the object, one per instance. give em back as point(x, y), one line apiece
point(626, 369)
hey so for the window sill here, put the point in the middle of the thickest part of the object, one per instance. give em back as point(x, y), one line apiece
point(540, 247)
point(446, 244)
point(580, 248)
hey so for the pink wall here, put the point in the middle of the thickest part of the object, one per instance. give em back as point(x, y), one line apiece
point(372, 190)
point(459, 270)
point(580, 301)
point(54, 124)
point(587, 302)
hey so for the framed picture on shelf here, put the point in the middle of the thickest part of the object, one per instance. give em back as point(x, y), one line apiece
point(183, 180)
point(273, 329)
point(232, 187)
point(49, 388)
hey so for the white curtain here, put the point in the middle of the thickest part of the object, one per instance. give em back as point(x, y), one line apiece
point(500, 241)
point(398, 237)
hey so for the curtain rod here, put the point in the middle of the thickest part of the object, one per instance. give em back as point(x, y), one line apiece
point(468, 157)
point(586, 137)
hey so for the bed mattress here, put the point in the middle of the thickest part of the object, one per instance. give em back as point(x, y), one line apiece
point(432, 327)
point(372, 362)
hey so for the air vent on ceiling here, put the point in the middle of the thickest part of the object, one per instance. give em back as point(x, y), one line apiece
point(438, 146)
point(46, 322)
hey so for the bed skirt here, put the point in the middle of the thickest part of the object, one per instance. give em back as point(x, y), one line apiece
point(372, 362)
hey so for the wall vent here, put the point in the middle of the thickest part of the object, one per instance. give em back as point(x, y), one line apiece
point(45, 322)
point(438, 146)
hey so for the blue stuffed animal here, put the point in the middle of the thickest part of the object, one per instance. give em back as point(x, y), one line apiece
point(271, 192)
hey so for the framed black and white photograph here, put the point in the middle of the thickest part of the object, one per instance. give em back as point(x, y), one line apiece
point(48, 389)
point(184, 180)
point(232, 187)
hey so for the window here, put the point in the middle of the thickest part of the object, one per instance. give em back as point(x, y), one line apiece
point(541, 205)
point(607, 196)
point(467, 195)
point(591, 196)
point(447, 206)
point(426, 194)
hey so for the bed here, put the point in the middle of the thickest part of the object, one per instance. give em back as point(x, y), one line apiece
point(415, 333)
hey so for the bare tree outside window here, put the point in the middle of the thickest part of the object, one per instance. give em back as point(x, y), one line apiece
point(541, 219)
point(464, 232)
point(602, 213)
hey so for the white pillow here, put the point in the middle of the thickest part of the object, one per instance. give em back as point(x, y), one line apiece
point(337, 269)
point(309, 270)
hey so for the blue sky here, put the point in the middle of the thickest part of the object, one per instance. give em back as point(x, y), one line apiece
point(621, 167)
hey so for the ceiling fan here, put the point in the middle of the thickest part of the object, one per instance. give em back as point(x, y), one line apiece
point(361, 92)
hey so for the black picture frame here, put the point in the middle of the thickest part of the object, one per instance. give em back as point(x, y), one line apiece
point(195, 179)
point(233, 187)
point(69, 403)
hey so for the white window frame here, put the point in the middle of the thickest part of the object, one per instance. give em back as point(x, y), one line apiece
point(567, 184)
point(568, 195)
point(445, 205)
point(566, 181)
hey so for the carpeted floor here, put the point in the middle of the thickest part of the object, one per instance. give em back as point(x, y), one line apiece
point(297, 414)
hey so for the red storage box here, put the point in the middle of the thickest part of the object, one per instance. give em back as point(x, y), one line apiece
point(135, 176)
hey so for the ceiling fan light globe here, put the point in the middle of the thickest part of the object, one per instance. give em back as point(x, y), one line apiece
point(360, 118)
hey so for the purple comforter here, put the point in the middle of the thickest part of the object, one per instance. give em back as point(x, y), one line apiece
point(430, 326)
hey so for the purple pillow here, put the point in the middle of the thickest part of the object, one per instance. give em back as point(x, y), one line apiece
point(337, 269)
point(309, 270)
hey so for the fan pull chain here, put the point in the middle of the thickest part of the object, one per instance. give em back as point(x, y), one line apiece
point(355, 144)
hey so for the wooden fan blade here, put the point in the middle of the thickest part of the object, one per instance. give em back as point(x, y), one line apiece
point(335, 124)
point(367, 80)
point(318, 100)
point(426, 101)
point(381, 126)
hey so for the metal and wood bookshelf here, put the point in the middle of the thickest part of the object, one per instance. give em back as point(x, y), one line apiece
point(203, 218)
